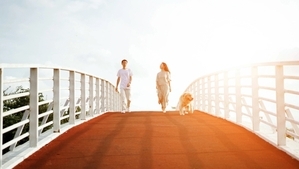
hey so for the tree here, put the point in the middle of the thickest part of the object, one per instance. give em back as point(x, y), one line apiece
point(17, 117)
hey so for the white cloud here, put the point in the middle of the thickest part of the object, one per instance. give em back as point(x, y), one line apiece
point(79, 5)
point(43, 3)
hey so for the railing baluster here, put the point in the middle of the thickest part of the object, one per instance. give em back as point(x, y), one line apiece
point(1, 115)
point(290, 116)
point(269, 120)
point(102, 95)
point(200, 101)
point(225, 97)
point(72, 108)
point(56, 106)
point(83, 97)
point(20, 129)
point(238, 98)
point(97, 96)
point(33, 123)
point(115, 101)
point(217, 110)
point(209, 94)
point(91, 97)
point(110, 96)
point(280, 107)
point(255, 101)
point(107, 96)
point(196, 99)
point(203, 94)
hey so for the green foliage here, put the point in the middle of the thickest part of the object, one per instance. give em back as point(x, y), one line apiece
point(17, 117)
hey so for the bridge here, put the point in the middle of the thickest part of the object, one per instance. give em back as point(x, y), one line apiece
point(246, 117)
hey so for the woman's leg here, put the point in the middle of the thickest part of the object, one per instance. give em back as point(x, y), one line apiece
point(165, 92)
point(159, 94)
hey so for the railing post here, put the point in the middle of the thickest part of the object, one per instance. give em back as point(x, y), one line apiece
point(196, 97)
point(97, 95)
point(280, 106)
point(110, 97)
point(33, 107)
point(91, 97)
point(238, 98)
point(56, 105)
point(102, 95)
point(209, 95)
point(199, 101)
point(203, 99)
point(72, 108)
point(225, 97)
point(255, 99)
point(216, 91)
point(107, 96)
point(83, 97)
point(1, 115)
point(114, 99)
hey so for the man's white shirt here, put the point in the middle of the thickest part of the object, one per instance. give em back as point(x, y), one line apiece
point(124, 75)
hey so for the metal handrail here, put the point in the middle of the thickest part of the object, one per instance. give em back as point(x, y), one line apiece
point(266, 105)
point(64, 90)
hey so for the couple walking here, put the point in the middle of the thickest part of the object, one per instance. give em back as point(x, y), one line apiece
point(124, 79)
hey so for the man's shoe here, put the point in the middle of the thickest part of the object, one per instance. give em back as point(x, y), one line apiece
point(123, 111)
point(128, 109)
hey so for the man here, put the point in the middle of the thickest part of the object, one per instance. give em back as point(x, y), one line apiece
point(124, 77)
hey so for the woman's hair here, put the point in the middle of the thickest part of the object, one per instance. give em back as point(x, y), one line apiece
point(165, 67)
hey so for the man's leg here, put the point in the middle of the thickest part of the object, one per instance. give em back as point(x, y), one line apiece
point(128, 96)
point(123, 100)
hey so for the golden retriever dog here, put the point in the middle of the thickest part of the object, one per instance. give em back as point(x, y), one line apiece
point(185, 104)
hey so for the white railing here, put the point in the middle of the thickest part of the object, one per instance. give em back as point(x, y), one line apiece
point(263, 98)
point(59, 100)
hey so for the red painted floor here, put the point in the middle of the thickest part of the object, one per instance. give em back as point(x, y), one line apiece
point(156, 140)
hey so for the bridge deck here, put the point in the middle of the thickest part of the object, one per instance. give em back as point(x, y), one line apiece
point(157, 140)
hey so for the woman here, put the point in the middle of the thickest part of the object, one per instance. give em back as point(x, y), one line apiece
point(163, 85)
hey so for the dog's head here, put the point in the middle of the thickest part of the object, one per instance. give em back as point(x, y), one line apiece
point(186, 98)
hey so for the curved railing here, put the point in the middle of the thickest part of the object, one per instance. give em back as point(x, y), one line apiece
point(57, 99)
point(263, 97)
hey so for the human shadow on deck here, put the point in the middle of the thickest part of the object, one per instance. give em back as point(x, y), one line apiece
point(226, 141)
point(105, 143)
point(146, 159)
point(194, 161)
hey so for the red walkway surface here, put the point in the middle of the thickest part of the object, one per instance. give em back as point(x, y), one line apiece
point(155, 140)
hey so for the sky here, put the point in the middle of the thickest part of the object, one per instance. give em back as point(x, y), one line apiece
point(194, 37)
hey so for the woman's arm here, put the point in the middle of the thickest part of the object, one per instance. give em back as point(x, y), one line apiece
point(169, 79)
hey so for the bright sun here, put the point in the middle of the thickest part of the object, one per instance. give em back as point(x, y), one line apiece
point(234, 44)
point(221, 35)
